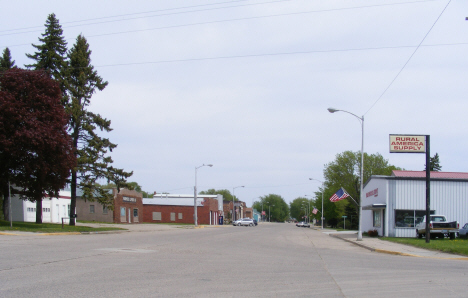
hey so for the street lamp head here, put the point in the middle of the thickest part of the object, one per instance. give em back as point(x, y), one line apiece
point(332, 110)
point(210, 165)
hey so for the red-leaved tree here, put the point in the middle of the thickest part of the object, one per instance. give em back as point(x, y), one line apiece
point(36, 153)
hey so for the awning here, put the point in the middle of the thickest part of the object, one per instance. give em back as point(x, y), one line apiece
point(374, 206)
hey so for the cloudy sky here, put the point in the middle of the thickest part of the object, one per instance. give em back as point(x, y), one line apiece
point(245, 85)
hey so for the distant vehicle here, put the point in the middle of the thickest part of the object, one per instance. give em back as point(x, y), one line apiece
point(438, 227)
point(303, 224)
point(464, 231)
point(246, 222)
point(236, 222)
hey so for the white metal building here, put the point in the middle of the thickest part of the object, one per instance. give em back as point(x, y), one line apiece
point(394, 204)
point(53, 209)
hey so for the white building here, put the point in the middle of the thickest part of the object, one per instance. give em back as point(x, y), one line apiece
point(393, 205)
point(53, 209)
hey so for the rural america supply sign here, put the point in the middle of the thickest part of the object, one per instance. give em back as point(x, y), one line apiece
point(407, 143)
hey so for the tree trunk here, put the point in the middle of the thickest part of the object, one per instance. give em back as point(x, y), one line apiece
point(39, 211)
point(5, 202)
point(72, 197)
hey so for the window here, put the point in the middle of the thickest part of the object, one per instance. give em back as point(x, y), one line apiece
point(45, 209)
point(135, 212)
point(172, 216)
point(91, 208)
point(156, 215)
point(409, 218)
point(377, 214)
point(122, 211)
point(105, 210)
point(180, 215)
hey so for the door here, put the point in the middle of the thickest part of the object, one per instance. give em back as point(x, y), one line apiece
point(135, 215)
point(123, 211)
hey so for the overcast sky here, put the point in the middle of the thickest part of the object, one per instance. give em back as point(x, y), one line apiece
point(245, 85)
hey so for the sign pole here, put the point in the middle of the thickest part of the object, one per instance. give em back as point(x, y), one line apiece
point(428, 188)
point(415, 144)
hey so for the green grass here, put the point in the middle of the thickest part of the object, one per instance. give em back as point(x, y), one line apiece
point(456, 246)
point(48, 227)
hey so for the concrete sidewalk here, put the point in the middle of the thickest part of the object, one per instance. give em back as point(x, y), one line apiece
point(388, 247)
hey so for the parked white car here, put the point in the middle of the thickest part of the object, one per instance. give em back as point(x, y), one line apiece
point(246, 222)
point(236, 222)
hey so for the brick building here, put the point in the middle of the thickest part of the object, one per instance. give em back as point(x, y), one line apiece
point(241, 211)
point(128, 208)
point(173, 208)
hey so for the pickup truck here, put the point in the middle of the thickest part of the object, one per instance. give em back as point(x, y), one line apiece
point(439, 227)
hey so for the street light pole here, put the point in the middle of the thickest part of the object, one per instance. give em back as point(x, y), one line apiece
point(195, 217)
point(361, 119)
point(322, 197)
point(233, 200)
point(269, 212)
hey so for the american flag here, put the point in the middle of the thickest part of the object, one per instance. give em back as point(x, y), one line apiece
point(339, 195)
point(314, 211)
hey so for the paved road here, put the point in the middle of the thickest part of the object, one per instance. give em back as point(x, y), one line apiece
point(270, 260)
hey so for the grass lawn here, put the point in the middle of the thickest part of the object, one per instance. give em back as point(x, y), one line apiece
point(48, 227)
point(456, 246)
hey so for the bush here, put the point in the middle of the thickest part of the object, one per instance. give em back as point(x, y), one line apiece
point(373, 233)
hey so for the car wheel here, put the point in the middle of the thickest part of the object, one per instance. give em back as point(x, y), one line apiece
point(251, 225)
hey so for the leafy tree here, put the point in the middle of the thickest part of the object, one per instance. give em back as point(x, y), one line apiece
point(6, 61)
point(227, 196)
point(297, 208)
point(434, 163)
point(36, 153)
point(344, 172)
point(90, 149)
point(51, 53)
point(275, 207)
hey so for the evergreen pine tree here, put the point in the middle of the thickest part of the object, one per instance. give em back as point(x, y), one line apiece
point(5, 60)
point(91, 150)
point(435, 163)
point(52, 51)
point(51, 54)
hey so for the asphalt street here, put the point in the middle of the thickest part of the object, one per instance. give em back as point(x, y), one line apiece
point(270, 260)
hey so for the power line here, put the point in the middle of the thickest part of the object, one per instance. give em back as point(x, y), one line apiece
point(142, 17)
point(281, 54)
point(227, 20)
point(414, 52)
point(274, 54)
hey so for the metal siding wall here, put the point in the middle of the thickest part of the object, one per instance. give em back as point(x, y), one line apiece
point(450, 198)
point(410, 194)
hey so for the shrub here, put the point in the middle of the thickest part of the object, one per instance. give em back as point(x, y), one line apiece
point(372, 233)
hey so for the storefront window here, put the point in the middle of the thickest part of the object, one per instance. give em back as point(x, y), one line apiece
point(409, 218)
point(377, 215)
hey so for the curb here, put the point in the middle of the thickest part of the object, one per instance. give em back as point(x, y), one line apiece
point(355, 243)
point(384, 251)
point(397, 253)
